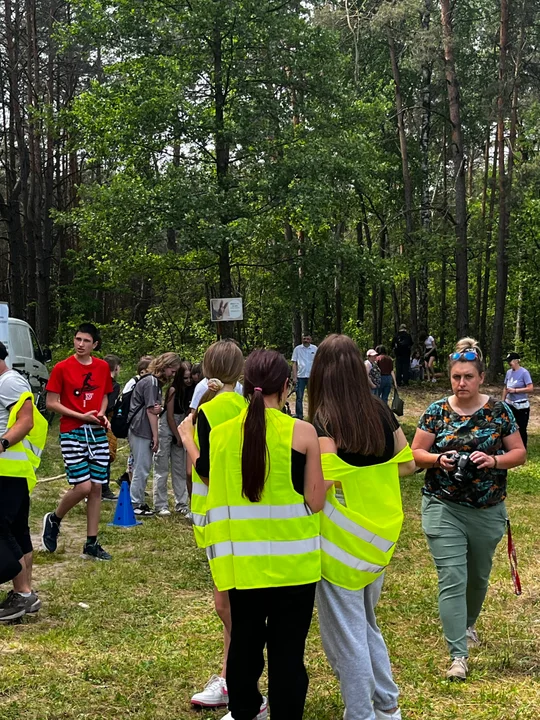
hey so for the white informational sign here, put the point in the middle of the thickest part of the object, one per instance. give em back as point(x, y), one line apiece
point(4, 328)
point(226, 309)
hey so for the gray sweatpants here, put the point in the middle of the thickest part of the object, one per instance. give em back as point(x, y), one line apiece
point(177, 456)
point(355, 648)
point(142, 464)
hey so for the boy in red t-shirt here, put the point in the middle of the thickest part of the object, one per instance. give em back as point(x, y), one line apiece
point(78, 390)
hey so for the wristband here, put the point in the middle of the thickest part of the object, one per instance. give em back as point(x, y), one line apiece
point(496, 463)
point(437, 462)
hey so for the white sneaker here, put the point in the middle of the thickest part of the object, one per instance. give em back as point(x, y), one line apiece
point(381, 715)
point(262, 715)
point(163, 512)
point(472, 637)
point(214, 693)
point(458, 669)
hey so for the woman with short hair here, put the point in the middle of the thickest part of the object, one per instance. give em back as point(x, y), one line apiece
point(467, 442)
point(518, 386)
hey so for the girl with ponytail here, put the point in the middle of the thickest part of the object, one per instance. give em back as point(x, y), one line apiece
point(262, 540)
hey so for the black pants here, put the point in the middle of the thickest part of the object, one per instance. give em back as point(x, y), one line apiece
point(403, 365)
point(15, 538)
point(278, 618)
point(522, 419)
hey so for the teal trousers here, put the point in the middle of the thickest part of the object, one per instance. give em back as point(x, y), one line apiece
point(462, 542)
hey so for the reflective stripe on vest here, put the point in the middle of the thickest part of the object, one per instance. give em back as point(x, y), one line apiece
point(15, 455)
point(221, 408)
point(33, 448)
point(333, 514)
point(359, 534)
point(262, 548)
point(257, 512)
point(271, 543)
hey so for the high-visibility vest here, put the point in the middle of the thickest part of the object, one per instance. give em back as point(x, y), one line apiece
point(23, 458)
point(359, 534)
point(271, 543)
point(221, 408)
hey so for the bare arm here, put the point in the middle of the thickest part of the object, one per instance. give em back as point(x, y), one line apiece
point(515, 454)
point(170, 416)
point(421, 446)
point(504, 393)
point(517, 391)
point(186, 430)
point(54, 404)
point(305, 440)
point(400, 441)
point(22, 425)
point(153, 420)
point(294, 371)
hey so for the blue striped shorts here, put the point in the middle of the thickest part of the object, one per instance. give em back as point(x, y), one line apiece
point(85, 451)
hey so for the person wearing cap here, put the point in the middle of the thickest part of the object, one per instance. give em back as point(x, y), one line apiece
point(517, 387)
point(373, 371)
point(402, 345)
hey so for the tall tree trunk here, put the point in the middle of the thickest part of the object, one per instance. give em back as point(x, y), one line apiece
point(480, 268)
point(489, 247)
point(458, 157)
point(407, 185)
point(338, 239)
point(360, 302)
point(425, 208)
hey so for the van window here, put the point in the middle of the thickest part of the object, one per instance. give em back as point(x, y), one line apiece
point(20, 340)
point(36, 346)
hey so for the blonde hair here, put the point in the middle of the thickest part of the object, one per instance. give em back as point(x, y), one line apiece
point(469, 343)
point(222, 361)
point(161, 362)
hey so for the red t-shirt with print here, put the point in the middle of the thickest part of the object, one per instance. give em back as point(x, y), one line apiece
point(81, 387)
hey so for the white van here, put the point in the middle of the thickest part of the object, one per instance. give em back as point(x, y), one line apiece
point(24, 351)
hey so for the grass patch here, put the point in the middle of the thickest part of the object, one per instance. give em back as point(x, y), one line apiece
point(150, 637)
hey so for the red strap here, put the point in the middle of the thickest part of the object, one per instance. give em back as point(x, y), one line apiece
point(512, 557)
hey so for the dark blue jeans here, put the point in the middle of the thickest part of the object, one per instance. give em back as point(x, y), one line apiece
point(383, 391)
point(301, 385)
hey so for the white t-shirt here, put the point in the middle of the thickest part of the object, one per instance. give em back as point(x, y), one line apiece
point(12, 386)
point(131, 384)
point(429, 342)
point(303, 357)
point(202, 387)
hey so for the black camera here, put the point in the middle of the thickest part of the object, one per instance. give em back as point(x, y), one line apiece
point(462, 460)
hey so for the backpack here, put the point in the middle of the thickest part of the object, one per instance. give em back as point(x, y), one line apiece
point(375, 374)
point(120, 420)
point(402, 340)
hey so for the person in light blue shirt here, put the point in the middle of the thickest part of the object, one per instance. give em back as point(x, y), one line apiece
point(517, 387)
point(302, 361)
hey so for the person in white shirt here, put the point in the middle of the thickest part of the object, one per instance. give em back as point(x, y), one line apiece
point(302, 362)
point(202, 387)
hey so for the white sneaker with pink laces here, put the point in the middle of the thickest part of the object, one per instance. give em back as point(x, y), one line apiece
point(214, 693)
point(263, 713)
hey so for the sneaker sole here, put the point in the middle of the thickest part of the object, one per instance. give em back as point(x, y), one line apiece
point(197, 703)
point(43, 546)
point(84, 556)
point(15, 616)
point(104, 499)
point(34, 608)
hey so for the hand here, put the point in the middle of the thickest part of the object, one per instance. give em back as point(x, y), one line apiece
point(103, 421)
point(178, 440)
point(90, 418)
point(186, 429)
point(483, 461)
point(448, 460)
point(156, 410)
point(154, 444)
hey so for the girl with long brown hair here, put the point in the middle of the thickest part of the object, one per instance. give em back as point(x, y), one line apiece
point(223, 364)
point(262, 540)
point(363, 451)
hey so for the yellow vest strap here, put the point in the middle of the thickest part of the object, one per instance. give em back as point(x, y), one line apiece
point(33, 448)
point(346, 558)
point(14, 455)
point(257, 512)
point(198, 519)
point(199, 488)
point(335, 516)
point(263, 548)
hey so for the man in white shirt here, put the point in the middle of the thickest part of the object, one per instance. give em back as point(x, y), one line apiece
point(202, 387)
point(302, 362)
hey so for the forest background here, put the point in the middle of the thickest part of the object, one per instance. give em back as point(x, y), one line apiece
point(341, 166)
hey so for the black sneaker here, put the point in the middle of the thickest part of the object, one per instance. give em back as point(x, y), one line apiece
point(121, 479)
point(107, 494)
point(94, 551)
point(15, 606)
point(49, 536)
point(142, 510)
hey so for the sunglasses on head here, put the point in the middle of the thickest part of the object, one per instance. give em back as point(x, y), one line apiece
point(470, 354)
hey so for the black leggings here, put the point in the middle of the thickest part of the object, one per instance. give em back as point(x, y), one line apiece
point(278, 618)
point(522, 419)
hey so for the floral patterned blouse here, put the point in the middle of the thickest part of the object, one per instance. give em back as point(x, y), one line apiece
point(483, 431)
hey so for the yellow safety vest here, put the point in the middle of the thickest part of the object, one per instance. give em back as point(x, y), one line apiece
point(23, 458)
point(271, 543)
point(359, 534)
point(221, 408)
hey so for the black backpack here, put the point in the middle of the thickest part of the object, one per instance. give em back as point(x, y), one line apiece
point(375, 374)
point(120, 420)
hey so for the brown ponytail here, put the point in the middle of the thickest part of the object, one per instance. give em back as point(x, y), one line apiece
point(265, 373)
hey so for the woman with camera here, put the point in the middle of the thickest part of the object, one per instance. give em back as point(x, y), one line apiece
point(466, 442)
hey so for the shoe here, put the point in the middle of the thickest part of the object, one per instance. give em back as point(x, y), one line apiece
point(262, 714)
point(94, 551)
point(107, 494)
point(214, 693)
point(164, 512)
point(142, 510)
point(472, 637)
point(49, 536)
point(121, 479)
point(458, 669)
point(15, 606)
point(185, 513)
point(381, 715)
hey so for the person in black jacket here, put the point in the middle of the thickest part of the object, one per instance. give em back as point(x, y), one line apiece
point(402, 344)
